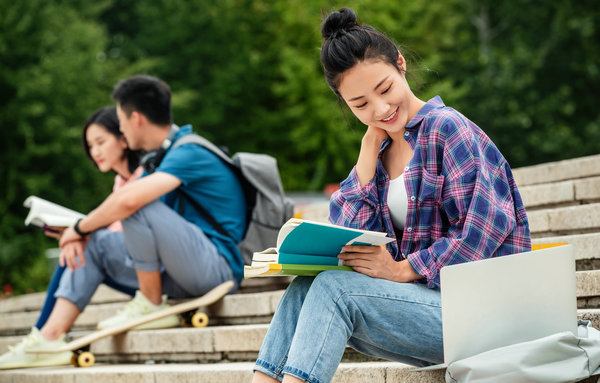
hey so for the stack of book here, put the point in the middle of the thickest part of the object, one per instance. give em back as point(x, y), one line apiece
point(307, 248)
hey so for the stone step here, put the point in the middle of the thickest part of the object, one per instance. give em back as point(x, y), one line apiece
point(210, 344)
point(373, 372)
point(579, 219)
point(561, 193)
point(588, 289)
point(256, 307)
point(34, 301)
point(582, 167)
point(104, 294)
point(587, 247)
point(232, 309)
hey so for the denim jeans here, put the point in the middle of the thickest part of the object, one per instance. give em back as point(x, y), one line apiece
point(155, 238)
point(50, 299)
point(318, 316)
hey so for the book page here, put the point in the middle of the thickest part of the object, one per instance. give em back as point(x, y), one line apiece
point(44, 212)
point(286, 229)
point(369, 239)
point(268, 255)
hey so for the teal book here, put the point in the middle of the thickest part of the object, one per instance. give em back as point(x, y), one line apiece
point(316, 244)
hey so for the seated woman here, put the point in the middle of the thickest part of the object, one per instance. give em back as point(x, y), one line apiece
point(425, 175)
point(106, 146)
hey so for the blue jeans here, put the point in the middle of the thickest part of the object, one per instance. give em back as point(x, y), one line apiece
point(317, 317)
point(50, 300)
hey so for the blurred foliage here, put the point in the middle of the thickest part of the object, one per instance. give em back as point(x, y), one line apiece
point(246, 74)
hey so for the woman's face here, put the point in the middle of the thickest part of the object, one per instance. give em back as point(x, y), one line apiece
point(378, 95)
point(107, 150)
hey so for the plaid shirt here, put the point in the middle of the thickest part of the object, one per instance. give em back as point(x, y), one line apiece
point(463, 202)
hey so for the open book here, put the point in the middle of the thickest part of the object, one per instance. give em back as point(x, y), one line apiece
point(45, 214)
point(307, 248)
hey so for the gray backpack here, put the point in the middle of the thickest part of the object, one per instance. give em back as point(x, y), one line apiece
point(268, 207)
point(557, 358)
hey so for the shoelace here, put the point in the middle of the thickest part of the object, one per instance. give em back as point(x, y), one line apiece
point(133, 307)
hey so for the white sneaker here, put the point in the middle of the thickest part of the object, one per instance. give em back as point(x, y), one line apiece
point(18, 357)
point(137, 307)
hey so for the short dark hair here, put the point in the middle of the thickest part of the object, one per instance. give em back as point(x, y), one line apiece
point(107, 118)
point(346, 43)
point(147, 95)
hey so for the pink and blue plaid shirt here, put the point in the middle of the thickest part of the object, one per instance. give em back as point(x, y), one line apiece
point(463, 203)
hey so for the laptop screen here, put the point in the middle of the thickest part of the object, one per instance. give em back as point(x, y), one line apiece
point(506, 300)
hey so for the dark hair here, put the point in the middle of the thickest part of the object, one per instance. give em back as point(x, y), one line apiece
point(348, 43)
point(147, 95)
point(107, 118)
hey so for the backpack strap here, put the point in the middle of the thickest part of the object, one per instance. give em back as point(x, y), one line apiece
point(203, 212)
point(194, 138)
point(197, 139)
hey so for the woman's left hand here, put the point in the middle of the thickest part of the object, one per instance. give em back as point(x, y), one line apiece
point(377, 262)
point(72, 255)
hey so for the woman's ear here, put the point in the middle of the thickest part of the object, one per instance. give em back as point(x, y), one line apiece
point(401, 62)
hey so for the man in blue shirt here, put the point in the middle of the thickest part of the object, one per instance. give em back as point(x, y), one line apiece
point(166, 248)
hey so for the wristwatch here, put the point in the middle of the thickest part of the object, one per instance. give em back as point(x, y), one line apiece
point(78, 230)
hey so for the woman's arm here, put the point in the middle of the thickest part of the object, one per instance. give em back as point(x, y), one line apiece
point(369, 154)
point(356, 204)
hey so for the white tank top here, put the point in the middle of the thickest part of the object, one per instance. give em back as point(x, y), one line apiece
point(397, 201)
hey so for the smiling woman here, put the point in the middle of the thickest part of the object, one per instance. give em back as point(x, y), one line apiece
point(106, 146)
point(425, 175)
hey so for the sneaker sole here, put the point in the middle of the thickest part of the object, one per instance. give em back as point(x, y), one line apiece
point(167, 322)
point(43, 360)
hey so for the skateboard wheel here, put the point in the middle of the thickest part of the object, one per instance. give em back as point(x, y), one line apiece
point(74, 360)
point(200, 320)
point(85, 359)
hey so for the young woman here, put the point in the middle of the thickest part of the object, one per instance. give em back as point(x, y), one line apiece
point(105, 145)
point(428, 177)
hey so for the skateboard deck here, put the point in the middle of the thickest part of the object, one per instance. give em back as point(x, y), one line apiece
point(210, 297)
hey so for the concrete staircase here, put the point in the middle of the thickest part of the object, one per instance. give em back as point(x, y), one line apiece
point(563, 203)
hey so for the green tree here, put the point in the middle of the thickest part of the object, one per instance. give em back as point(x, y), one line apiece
point(527, 72)
point(52, 75)
point(246, 74)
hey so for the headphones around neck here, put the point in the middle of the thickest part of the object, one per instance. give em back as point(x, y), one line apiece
point(151, 160)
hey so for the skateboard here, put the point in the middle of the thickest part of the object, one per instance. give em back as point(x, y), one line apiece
point(83, 358)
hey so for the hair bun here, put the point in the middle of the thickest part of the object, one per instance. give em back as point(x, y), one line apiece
point(337, 21)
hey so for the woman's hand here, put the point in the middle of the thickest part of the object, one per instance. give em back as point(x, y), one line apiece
point(70, 253)
point(377, 262)
point(374, 136)
point(369, 153)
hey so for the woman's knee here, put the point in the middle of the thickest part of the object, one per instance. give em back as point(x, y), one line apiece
point(329, 288)
point(298, 289)
point(335, 281)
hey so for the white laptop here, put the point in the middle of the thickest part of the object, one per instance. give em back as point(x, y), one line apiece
point(506, 300)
